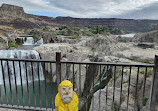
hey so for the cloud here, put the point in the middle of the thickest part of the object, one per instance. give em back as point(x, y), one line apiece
point(83, 8)
point(100, 8)
point(146, 12)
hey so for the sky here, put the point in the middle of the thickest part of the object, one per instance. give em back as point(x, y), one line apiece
point(128, 9)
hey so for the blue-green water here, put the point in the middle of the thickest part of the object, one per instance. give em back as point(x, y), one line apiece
point(36, 99)
point(127, 35)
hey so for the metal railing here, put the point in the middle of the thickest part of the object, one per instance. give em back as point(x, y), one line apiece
point(31, 84)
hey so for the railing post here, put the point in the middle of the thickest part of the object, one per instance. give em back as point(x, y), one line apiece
point(58, 67)
point(154, 88)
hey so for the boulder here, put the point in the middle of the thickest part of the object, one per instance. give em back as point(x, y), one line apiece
point(101, 43)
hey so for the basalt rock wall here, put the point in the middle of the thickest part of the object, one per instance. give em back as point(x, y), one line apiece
point(126, 24)
point(11, 11)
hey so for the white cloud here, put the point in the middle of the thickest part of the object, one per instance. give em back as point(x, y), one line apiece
point(82, 8)
point(146, 12)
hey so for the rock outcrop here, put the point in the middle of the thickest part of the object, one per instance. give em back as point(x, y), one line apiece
point(149, 37)
point(100, 43)
point(48, 51)
point(3, 43)
point(133, 52)
point(11, 11)
point(15, 16)
point(103, 98)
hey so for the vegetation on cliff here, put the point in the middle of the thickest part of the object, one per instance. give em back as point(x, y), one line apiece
point(13, 45)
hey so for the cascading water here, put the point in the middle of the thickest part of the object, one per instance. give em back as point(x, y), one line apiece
point(20, 54)
point(40, 42)
point(28, 41)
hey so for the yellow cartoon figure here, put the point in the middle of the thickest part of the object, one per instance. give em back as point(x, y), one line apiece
point(66, 99)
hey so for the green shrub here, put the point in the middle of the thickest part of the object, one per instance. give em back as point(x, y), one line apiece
point(76, 28)
point(57, 33)
point(75, 36)
point(34, 36)
point(46, 28)
point(13, 45)
point(88, 33)
point(62, 27)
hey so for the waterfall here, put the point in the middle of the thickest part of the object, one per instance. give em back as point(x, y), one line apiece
point(40, 42)
point(9, 70)
point(28, 41)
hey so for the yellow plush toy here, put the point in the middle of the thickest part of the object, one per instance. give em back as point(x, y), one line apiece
point(66, 99)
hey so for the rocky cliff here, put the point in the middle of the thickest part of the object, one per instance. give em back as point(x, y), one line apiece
point(11, 11)
point(14, 16)
point(126, 24)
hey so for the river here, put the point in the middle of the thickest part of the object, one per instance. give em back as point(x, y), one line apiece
point(127, 35)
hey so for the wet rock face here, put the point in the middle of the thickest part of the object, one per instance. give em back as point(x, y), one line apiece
point(3, 43)
point(11, 11)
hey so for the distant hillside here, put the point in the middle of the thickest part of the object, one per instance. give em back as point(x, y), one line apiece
point(126, 24)
point(15, 16)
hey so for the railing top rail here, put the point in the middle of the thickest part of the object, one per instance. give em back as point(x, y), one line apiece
point(27, 60)
point(75, 62)
point(109, 63)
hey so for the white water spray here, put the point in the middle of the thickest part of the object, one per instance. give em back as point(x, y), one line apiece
point(9, 71)
point(30, 41)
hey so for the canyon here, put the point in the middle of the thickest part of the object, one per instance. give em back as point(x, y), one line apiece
point(15, 16)
point(98, 47)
